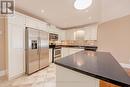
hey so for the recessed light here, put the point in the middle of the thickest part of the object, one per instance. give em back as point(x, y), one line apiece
point(89, 17)
point(42, 11)
point(86, 11)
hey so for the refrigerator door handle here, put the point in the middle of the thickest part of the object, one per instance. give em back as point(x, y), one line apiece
point(39, 45)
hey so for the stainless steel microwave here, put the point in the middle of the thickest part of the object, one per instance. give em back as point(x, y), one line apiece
point(53, 37)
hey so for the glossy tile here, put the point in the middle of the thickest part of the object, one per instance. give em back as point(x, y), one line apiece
point(43, 78)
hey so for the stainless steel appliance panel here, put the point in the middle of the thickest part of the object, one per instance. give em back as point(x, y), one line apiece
point(53, 37)
point(44, 49)
point(37, 50)
point(57, 53)
point(32, 50)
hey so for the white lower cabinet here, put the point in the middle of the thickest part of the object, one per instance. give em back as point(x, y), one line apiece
point(50, 55)
point(66, 51)
point(74, 50)
point(69, 78)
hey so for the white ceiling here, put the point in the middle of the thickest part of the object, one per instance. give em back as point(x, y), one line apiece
point(60, 12)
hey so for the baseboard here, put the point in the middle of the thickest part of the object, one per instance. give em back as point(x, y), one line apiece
point(2, 73)
point(16, 76)
point(125, 65)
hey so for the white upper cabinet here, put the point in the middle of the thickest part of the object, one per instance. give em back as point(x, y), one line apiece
point(32, 22)
point(70, 34)
point(62, 35)
point(18, 19)
point(91, 33)
point(86, 33)
point(53, 29)
point(79, 34)
point(37, 24)
point(42, 26)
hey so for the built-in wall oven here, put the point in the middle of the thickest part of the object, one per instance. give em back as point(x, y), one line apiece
point(56, 50)
point(57, 53)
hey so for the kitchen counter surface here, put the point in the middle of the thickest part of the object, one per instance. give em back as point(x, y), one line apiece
point(74, 46)
point(100, 65)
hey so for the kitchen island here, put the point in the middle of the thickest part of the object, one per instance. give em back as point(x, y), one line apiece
point(65, 49)
point(87, 68)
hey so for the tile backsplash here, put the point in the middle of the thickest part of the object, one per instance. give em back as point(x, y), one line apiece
point(77, 42)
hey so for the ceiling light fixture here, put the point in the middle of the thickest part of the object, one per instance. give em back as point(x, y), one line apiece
point(82, 4)
point(42, 11)
point(89, 17)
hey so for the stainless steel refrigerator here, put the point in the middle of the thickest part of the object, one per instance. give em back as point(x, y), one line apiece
point(37, 50)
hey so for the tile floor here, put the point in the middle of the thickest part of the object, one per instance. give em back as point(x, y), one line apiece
point(43, 78)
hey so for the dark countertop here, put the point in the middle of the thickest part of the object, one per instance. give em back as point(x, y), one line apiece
point(74, 46)
point(100, 65)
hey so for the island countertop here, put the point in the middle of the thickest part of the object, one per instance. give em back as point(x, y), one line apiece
point(100, 65)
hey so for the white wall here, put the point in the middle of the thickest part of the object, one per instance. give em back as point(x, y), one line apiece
point(114, 37)
point(112, 9)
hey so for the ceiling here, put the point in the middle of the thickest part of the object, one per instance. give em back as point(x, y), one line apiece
point(60, 13)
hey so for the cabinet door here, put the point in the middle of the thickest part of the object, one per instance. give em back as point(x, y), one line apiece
point(61, 35)
point(93, 32)
point(51, 29)
point(74, 50)
point(42, 26)
point(70, 34)
point(87, 34)
point(31, 22)
point(50, 55)
point(16, 56)
point(69, 51)
point(65, 52)
point(18, 19)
